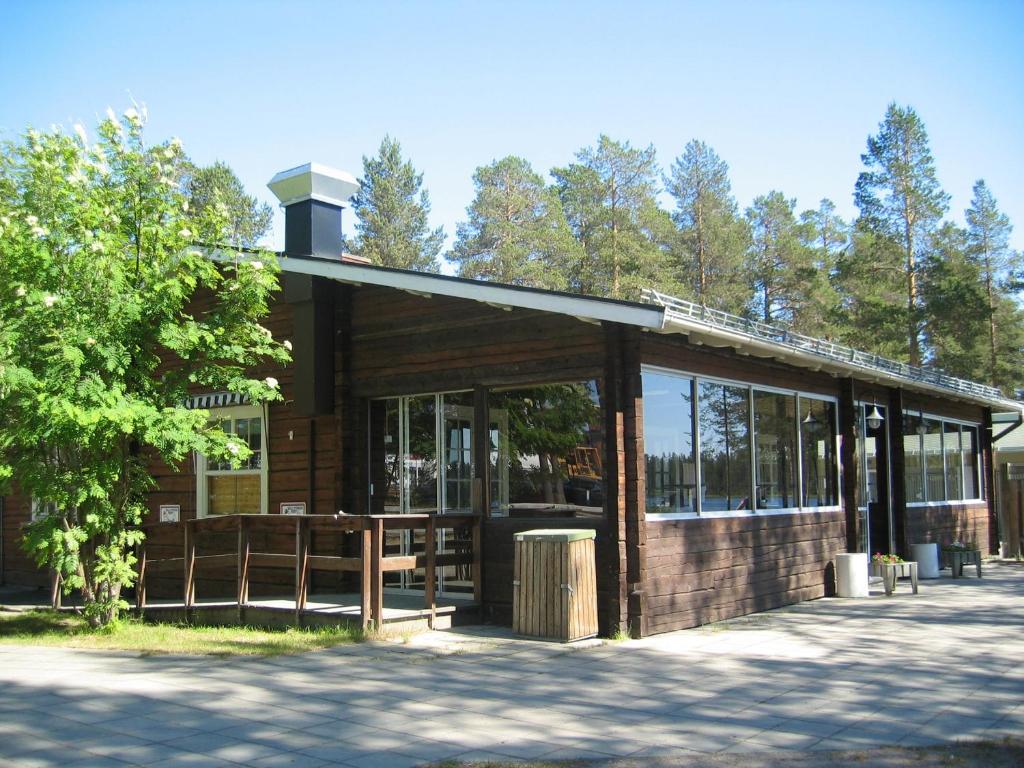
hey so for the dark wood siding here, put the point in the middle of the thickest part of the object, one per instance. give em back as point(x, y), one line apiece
point(946, 523)
point(18, 567)
point(705, 570)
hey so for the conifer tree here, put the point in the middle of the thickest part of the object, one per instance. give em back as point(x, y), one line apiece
point(712, 236)
point(988, 249)
point(827, 236)
point(609, 200)
point(391, 210)
point(516, 231)
point(247, 220)
point(901, 204)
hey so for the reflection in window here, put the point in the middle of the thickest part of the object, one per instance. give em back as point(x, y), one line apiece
point(668, 443)
point(934, 475)
point(724, 413)
point(913, 471)
point(775, 433)
point(954, 460)
point(547, 447)
point(970, 448)
point(227, 490)
point(817, 453)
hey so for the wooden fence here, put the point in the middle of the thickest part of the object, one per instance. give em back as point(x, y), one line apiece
point(371, 563)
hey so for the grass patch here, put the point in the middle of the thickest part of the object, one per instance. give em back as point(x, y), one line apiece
point(68, 630)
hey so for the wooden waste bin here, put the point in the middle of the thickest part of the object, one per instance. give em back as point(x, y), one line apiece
point(554, 593)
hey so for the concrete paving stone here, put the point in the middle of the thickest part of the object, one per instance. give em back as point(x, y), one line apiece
point(224, 747)
point(483, 756)
point(191, 760)
point(338, 752)
point(385, 760)
point(429, 750)
point(289, 760)
point(784, 740)
point(96, 761)
point(821, 729)
point(50, 756)
point(19, 743)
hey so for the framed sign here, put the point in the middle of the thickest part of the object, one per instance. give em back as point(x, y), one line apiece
point(170, 513)
point(293, 508)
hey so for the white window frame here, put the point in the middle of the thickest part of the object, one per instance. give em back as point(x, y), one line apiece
point(202, 467)
point(755, 511)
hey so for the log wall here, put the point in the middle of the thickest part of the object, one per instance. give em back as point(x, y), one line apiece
point(702, 570)
point(946, 523)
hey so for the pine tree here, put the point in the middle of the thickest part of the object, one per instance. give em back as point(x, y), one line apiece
point(827, 236)
point(778, 262)
point(248, 221)
point(516, 231)
point(712, 236)
point(609, 201)
point(988, 248)
point(391, 210)
point(901, 203)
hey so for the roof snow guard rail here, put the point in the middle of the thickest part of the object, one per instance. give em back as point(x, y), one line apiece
point(680, 309)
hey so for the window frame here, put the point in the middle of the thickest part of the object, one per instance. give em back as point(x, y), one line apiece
point(203, 472)
point(755, 510)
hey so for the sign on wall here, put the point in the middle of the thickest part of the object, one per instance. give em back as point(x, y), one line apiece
point(170, 513)
point(293, 508)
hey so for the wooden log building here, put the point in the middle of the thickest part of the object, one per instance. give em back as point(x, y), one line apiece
point(722, 462)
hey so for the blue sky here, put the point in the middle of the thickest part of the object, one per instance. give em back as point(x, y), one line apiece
point(786, 92)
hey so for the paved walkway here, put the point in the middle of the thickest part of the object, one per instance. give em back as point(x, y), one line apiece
point(940, 666)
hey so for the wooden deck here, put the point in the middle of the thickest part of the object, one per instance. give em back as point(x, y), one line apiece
point(286, 546)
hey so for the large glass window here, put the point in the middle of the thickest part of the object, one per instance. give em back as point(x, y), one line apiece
point(775, 449)
point(547, 451)
point(818, 453)
point(670, 464)
point(225, 490)
point(940, 458)
point(724, 418)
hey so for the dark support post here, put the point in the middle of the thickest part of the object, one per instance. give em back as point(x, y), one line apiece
point(989, 482)
point(481, 487)
point(897, 472)
point(618, 544)
point(430, 574)
point(848, 461)
point(190, 566)
point(311, 467)
point(636, 512)
point(301, 565)
point(478, 560)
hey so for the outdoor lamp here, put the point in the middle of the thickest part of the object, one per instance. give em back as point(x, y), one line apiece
point(874, 418)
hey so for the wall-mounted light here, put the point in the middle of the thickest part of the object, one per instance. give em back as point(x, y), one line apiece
point(809, 420)
point(875, 418)
point(922, 428)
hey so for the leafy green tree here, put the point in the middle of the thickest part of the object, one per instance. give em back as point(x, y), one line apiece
point(516, 232)
point(609, 201)
point(108, 315)
point(988, 249)
point(391, 210)
point(901, 204)
point(713, 238)
point(779, 263)
point(247, 221)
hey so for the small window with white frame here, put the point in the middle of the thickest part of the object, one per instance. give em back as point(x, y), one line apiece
point(225, 490)
point(42, 509)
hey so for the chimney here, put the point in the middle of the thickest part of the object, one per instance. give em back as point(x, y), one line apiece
point(313, 197)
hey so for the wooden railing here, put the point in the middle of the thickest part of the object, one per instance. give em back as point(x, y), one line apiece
point(371, 563)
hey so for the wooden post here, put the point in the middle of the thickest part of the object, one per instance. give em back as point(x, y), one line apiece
point(632, 489)
point(366, 547)
point(848, 461)
point(140, 584)
point(55, 596)
point(989, 483)
point(430, 577)
point(621, 537)
point(301, 565)
point(244, 547)
point(190, 563)
point(376, 573)
point(478, 560)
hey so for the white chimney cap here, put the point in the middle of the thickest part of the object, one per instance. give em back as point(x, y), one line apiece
point(313, 181)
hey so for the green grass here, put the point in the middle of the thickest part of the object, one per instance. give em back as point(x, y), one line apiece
point(68, 630)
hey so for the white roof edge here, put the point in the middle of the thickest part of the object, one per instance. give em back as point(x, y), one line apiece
point(581, 307)
point(809, 360)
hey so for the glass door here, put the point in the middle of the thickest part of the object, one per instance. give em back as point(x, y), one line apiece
point(874, 509)
point(421, 463)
